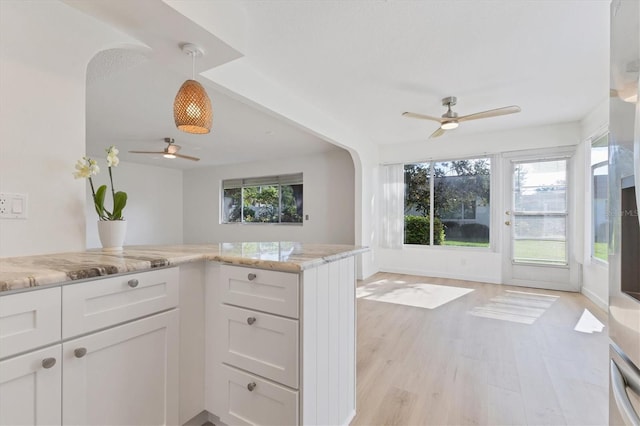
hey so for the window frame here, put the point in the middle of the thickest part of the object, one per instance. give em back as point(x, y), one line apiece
point(494, 171)
point(278, 181)
point(591, 168)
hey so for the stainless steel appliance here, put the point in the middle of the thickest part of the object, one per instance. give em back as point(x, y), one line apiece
point(624, 199)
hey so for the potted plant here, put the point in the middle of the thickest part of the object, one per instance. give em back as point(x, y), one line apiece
point(111, 224)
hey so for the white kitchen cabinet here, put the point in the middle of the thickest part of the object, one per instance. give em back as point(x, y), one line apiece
point(29, 320)
point(104, 351)
point(30, 388)
point(281, 345)
point(125, 375)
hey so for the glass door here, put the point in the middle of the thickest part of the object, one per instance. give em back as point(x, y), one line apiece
point(539, 212)
point(537, 231)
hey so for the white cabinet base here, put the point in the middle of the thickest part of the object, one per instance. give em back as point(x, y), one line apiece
point(29, 392)
point(128, 376)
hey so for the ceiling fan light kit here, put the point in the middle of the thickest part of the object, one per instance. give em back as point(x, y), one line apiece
point(192, 110)
point(171, 151)
point(450, 119)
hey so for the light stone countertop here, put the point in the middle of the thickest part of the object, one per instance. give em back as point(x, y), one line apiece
point(17, 273)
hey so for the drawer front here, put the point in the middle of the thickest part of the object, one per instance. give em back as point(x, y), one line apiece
point(261, 343)
point(29, 320)
point(268, 291)
point(102, 303)
point(266, 404)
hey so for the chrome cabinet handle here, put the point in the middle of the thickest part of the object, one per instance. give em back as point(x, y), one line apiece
point(252, 276)
point(48, 362)
point(508, 212)
point(251, 386)
point(80, 352)
point(251, 320)
point(133, 283)
point(507, 223)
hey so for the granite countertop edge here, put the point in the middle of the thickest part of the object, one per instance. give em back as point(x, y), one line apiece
point(30, 272)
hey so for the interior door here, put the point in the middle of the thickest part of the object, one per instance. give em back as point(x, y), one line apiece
point(538, 224)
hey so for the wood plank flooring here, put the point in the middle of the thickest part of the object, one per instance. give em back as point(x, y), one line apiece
point(446, 366)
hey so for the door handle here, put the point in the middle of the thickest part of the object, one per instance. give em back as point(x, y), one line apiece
point(618, 388)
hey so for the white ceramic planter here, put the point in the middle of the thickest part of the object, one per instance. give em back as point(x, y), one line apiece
point(112, 233)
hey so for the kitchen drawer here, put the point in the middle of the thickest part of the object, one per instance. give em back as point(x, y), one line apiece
point(263, 344)
point(250, 400)
point(268, 291)
point(102, 303)
point(29, 320)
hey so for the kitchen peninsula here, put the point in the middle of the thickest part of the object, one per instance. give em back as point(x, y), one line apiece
point(243, 333)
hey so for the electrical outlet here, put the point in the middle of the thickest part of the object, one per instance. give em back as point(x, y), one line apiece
point(13, 206)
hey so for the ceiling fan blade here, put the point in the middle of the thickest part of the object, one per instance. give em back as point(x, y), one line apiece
point(147, 152)
point(421, 116)
point(439, 132)
point(187, 157)
point(490, 113)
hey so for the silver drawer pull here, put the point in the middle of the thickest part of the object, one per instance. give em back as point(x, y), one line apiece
point(80, 352)
point(251, 320)
point(48, 362)
point(133, 283)
point(251, 386)
point(252, 276)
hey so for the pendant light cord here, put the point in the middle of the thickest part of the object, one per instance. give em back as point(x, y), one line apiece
point(193, 66)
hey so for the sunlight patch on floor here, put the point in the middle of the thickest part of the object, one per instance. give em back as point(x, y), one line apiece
point(515, 306)
point(588, 323)
point(420, 295)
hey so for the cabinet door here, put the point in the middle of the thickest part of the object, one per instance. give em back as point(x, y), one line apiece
point(251, 401)
point(126, 375)
point(30, 388)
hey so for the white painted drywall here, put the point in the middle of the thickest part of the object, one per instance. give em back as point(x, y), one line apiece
point(328, 200)
point(154, 206)
point(43, 64)
point(465, 263)
point(239, 79)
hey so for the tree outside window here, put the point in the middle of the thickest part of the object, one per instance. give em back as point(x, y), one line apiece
point(459, 191)
point(278, 200)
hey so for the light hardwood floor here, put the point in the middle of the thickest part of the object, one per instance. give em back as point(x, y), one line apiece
point(445, 366)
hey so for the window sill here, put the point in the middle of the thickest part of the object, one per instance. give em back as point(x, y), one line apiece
point(260, 224)
point(448, 248)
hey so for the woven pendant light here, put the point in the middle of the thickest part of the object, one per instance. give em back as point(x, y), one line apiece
point(192, 110)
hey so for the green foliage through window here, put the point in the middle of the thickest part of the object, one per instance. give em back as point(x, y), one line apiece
point(460, 191)
point(278, 200)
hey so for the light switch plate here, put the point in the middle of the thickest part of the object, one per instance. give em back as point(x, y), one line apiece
point(13, 206)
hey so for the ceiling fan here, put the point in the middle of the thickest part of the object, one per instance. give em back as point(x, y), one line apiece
point(171, 151)
point(450, 119)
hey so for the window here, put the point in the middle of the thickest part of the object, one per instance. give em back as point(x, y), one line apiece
point(599, 198)
point(271, 199)
point(448, 203)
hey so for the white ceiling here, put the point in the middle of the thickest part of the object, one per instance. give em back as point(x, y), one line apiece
point(364, 63)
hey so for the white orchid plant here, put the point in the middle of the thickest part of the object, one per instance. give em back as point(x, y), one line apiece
point(87, 167)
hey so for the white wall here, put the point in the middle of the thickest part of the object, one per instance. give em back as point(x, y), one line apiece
point(42, 120)
point(154, 206)
point(328, 200)
point(466, 263)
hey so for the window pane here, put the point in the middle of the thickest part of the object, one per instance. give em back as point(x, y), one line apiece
point(291, 204)
point(462, 202)
point(540, 186)
point(599, 202)
point(540, 251)
point(231, 205)
point(417, 203)
point(260, 203)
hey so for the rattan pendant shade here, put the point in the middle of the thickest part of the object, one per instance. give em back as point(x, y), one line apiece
point(192, 110)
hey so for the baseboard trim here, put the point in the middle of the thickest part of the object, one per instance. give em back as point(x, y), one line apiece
point(477, 278)
point(595, 299)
